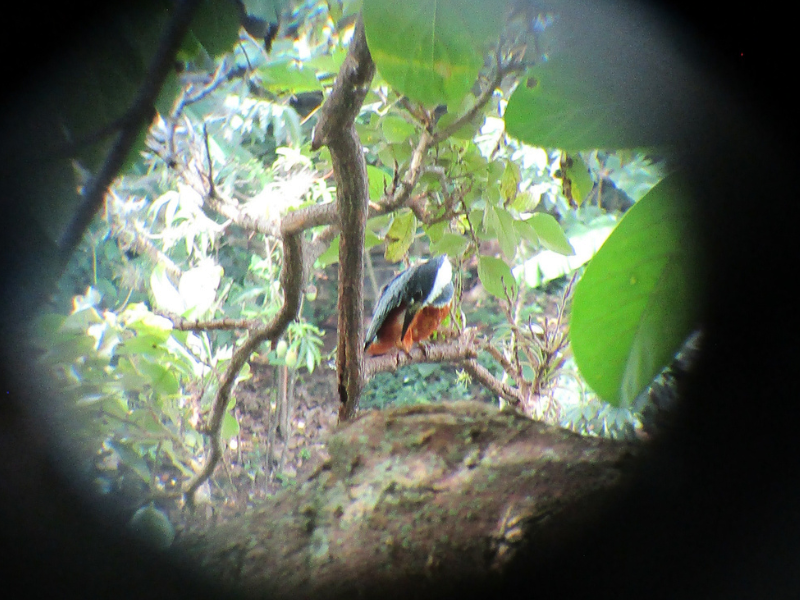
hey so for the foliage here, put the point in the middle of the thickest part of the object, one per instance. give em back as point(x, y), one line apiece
point(414, 384)
point(516, 215)
point(124, 380)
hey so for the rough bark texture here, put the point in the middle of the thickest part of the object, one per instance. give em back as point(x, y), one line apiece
point(416, 499)
point(336, 130)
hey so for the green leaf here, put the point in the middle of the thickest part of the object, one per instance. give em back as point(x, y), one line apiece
point(526, 231)
point(162, 380)
point(371, 240)
point(379, 181)
point(331, 255)
point(230, 426)
point(436, 231)
point(496, 277)
point(577, 179)
point(550, 234)
point(507, 233)
point(451, 244)
point(400, 236)
point(288, 76)
point(567, 104)
point(268, 10)
point(640, 296)
point(396, 129)
point(431, 51)
point(146, 345)
point(509, 181)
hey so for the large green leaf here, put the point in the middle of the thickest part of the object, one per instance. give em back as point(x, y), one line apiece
point(567, 104)
point(431, 51)
point(640, 296)
point(396, 129)
point(451, 244)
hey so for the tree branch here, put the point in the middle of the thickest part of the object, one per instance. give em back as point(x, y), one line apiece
point(489, 381)
point(140, 112)
point(336, 130)
point(292, 283)
point(449, 351)
point(225, 324)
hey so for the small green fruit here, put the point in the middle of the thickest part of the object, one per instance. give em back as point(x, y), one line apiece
point(311, 294)
point(281, 348)
point(291, 358)
point(152, 526)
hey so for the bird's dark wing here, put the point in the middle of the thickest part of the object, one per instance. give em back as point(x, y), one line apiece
point(392, 297)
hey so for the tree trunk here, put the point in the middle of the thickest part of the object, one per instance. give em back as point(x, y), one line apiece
point(413, 499)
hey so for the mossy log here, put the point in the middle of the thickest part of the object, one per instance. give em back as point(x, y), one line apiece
point(414, 499)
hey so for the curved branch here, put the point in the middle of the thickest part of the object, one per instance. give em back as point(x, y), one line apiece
point(292, 283)
point(336, 130)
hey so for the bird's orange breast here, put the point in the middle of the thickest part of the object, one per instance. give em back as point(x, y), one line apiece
point(389, 334)
point(424, 323)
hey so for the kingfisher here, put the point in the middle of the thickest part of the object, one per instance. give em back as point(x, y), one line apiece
point(411, 307)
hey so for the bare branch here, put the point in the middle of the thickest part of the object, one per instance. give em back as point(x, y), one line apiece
point(184, 324)
point(336, 130)
point(292, 283)
point(223, 73)
point(449, 351)
point(489, 381)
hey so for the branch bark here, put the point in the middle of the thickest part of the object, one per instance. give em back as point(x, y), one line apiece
point(336, 130)
point(450, 351)
point(292, 276)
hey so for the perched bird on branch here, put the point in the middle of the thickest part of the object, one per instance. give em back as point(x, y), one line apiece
point(411, 307)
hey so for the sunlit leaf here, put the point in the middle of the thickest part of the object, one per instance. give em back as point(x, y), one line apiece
point(450, 244)
point(550, 234)
point(509, 181)
point(640, 296)
point(331, 255)
point(161, 378)
point(400, 236)
point(288, 76)
point(379, 182)
point(396, 129)
point(507, 233)
point(577, 179)
point(496, 277)
point(230, 426)
point(431, 51)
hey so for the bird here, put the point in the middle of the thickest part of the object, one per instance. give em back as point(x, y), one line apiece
point(411, 307)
